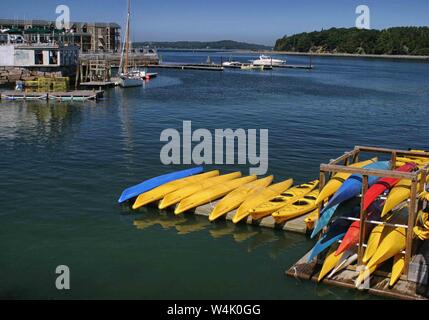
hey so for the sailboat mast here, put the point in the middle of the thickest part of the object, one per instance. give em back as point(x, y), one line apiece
point(127, 45)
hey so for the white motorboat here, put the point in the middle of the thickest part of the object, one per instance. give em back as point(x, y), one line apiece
point(128, 78)
point(268, 61)
point(232, 64)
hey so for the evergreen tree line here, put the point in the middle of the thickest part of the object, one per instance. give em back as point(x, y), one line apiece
point(393, 41)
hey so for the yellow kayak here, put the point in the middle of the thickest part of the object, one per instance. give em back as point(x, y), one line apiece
point(297, 208)
point(373, 241)
point(415, 158)
point(180, 194)
point(392, 244)
point(363, 275)
point(279, 201)
point(418, 161)
point(311, 220)
point(330, 262)
point(269, 192)
point(399, 193)
point(421, 229)
point(211, 193)
point(397, 269)
point(233, 200)
point(337, 180)
point(162, 191)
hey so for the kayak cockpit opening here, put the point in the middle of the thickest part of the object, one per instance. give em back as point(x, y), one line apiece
point(310, 198)
point(287, 194)
point(301, 203)
point(277, 199)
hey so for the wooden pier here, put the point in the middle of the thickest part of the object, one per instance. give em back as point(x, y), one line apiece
point(413, 283)
point(77, 95)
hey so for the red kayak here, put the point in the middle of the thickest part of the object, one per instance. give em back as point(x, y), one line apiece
point(384, 184)
point(351, 237)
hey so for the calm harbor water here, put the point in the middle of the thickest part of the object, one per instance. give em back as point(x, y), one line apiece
point(63, 166)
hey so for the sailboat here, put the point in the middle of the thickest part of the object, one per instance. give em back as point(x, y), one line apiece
point(128, 78)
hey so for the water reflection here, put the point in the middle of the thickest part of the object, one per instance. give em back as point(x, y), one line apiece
point(46, 121)
point(166, 221)
point(192, 224)
point(275, 242)
point(285, 240)
point(263, 237)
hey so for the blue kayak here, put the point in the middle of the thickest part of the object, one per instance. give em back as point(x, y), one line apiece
point(324, 220)
point(353, 185)
point(336, 231)
point(150, 184)
point(349, 189)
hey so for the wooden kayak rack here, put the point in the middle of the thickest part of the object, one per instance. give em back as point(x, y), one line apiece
point(407, 286)
point(418, 184)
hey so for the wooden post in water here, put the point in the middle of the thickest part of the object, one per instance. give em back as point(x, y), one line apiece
point(356, 155)
point(393, 160)
point(411, 221)
point(362, 220)
point(347, 161)
point(76, 82)
point(322, 181)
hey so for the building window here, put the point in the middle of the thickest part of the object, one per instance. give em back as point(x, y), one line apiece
point(53, 57)
point(38, 57)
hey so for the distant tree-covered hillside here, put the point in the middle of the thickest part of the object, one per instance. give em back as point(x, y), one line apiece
point(393, 41)
point(223, 45)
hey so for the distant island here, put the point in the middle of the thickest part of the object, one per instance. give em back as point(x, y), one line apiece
point(199, 45)
point(393, 41)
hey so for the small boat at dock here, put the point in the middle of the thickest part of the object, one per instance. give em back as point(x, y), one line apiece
point(129, 78)
point(232, 64)
point(268, 61)
point(251, 67)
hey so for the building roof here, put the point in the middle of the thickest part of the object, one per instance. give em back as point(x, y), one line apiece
point(39, 23)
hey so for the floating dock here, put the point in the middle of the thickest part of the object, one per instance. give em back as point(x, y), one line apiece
point(295, 66)
point(181, 66)
point(98, 84)
point(379, 283)
point(246, 65)
point(77, 95)
point(219, 67)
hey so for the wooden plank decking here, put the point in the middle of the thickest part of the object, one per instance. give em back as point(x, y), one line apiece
point(379, 285)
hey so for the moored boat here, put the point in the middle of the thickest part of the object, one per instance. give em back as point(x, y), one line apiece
point(268, 61)
point(128, 78)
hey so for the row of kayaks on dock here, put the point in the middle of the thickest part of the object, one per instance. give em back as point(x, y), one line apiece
point(332, 213)
point(386, 207)
point(188, 189)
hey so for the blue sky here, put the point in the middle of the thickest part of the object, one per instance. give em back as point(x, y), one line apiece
point(258, 21)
